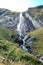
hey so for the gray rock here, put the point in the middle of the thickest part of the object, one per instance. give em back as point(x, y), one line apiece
point(41, 59)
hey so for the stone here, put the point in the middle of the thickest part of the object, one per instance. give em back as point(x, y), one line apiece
point(41, 59)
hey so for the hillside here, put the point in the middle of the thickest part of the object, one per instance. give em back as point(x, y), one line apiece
point(38, 44)
point(36, 12)
point(10, 19)
point(10, 53)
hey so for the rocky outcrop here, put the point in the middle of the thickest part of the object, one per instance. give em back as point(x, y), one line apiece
point(10, 19)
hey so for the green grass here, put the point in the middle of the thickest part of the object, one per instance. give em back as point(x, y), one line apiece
point(4, 34)
point(12, 53)
point(36, 13)
point(38, 46)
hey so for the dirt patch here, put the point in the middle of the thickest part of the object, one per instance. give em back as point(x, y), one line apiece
point(2, 64)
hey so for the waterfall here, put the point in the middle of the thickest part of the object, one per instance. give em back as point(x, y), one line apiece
point(21, 26)
point(21, 29)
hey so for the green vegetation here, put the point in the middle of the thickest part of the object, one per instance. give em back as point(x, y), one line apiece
point(38, 44)
point(36, 13)
point(12, 53)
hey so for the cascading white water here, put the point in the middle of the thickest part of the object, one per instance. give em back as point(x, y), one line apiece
point(21, 26)
point(21, 29)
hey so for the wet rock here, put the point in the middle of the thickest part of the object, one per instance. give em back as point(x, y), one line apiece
point(19, 41)
point(24, 48)
point(41, 59)
point(27, 49)
point(3, 59)
point(38, 55)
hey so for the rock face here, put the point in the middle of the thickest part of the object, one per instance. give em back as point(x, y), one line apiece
point(10, 19)
point(29, 24)
point(33, 23)
point(36, 16)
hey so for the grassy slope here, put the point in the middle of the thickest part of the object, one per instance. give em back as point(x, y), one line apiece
point(11, 51)
point(38, 34)
point(36, 13)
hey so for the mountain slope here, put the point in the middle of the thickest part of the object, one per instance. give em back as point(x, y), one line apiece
point(38, 44)
point(36, 14)
point(10, 51)
point(10, 19)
